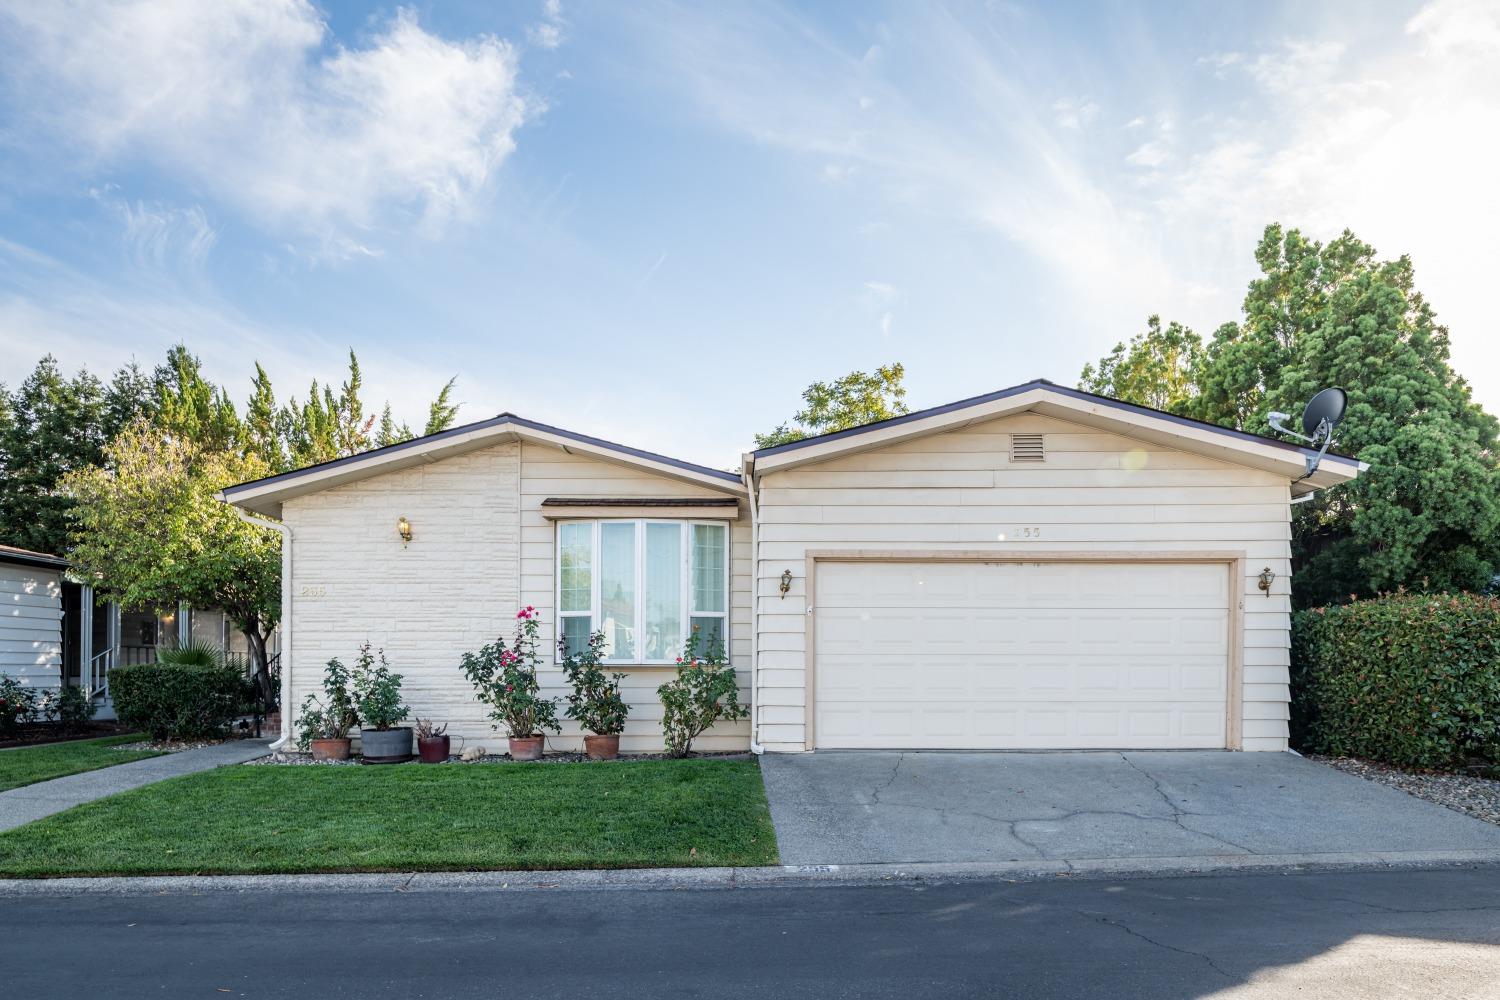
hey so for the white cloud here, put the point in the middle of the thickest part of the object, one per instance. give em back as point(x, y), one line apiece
point(1136, 122)
point(1149, 154)
point(548, 34)
point(882, 291)
point(251, 100)
point(836, 173)
point(1075, 114)
point(157, 235)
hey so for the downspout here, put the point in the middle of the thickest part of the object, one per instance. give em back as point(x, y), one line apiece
point(286, 616)
point(747, 475)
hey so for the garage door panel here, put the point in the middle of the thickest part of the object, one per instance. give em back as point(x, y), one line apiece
point(1004, 655)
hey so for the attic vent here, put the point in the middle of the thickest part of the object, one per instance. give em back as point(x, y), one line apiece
point(1027, 448)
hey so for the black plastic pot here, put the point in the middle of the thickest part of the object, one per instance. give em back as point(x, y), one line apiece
point(385, 746)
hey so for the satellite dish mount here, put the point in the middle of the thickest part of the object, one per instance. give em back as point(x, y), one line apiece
point(1322, 415)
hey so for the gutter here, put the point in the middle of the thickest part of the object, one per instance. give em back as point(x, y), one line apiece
point(286, 614)
point(747, 475)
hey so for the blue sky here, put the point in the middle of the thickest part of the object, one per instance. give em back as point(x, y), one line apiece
point(657, 222)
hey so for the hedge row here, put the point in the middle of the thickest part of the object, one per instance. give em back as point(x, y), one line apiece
point(182, 701)
point(1407, 679)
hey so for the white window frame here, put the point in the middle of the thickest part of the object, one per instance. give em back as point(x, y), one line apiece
point(685, 575)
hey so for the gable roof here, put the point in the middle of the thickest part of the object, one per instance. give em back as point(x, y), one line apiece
point(265, 496)
point(1101, 412)
point(26, 557)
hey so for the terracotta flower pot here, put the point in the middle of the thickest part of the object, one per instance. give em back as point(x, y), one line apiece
point(432, 749)
point(602, 747)
point(331, 749)
point(526, 747)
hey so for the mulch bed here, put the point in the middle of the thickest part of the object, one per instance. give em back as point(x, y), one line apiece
point(35, 734)
point(562, 757)
point(1466, 793)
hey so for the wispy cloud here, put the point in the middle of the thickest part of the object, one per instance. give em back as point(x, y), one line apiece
point(249, 100)
point(549, 32)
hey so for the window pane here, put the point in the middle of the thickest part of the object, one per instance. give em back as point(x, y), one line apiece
point(576, 555)
point(663, 639)
point(617, 588)
point(576, 632)
point(708, 567)
point(708, 630)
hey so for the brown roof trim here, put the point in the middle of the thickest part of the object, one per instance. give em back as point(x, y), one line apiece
point(26, 557)
point(640, 502)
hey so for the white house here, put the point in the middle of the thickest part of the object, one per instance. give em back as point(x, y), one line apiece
point(1037, 567)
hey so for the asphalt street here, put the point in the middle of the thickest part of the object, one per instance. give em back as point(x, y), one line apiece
point(1426, 933)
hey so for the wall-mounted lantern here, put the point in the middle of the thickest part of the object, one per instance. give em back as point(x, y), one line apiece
point(403, 528)
point(1266, 578)
point(786, 583)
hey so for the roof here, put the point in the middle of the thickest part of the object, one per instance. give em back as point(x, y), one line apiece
point(266, 495)
point(1104, 412)
point(26, 557)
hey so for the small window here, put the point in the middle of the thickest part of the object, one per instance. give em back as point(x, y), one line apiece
point(646, 584)
point(1027, 448)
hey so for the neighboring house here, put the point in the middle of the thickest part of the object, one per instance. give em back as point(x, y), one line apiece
point(55, 632)
point(1038, 567)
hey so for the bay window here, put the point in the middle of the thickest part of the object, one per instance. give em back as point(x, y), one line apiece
point(646, 584)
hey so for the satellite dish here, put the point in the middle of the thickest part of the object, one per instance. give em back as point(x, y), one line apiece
point(1321, 415)
point(1326, 407)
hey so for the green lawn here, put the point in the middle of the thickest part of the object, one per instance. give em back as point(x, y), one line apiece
point(28, 765)
point(411, 817)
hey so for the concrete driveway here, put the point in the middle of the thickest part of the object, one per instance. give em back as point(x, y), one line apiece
point(850, 807)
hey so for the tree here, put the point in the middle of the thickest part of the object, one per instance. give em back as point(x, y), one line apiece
point(857, 398)
point(191, 407)
point(442, 412)
point(53, 425)
point(263, 423)
point(148, 532)
point(1157, 368)
point(1427, 513)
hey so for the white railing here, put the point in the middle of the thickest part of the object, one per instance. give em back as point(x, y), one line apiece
point(99, 668)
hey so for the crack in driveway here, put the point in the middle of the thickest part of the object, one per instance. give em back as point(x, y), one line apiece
point(1178, 812)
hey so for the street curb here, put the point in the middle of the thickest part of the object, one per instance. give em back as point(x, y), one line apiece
point(781, 876)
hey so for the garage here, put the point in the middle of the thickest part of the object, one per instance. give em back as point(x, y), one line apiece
point(982, 653)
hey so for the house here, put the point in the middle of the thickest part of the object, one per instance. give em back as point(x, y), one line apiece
point(54, 632)
point(1034, 568)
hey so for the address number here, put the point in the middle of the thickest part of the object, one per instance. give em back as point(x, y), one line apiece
point(312, 590)
point(1030, 532)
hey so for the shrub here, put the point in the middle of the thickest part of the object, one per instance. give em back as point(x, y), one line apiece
point(193, 654)
point(1406, 679)
point(505, 678)
point(177, 701)
point(335, 716)
point(17, 705)
point(703, 692)
point(595, 703)
point(74, 709)
point(377, 691)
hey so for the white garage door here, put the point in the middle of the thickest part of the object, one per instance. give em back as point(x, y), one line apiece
point(1021, 655)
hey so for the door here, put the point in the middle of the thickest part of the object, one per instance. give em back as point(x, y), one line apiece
point(1050, 655)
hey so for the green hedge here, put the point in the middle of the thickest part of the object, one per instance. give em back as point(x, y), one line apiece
point(179, 701)
point(1406, 679)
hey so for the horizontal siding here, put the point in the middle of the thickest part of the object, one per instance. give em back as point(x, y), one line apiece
point(480, 550)
point(1095, 492)
point(31, 625)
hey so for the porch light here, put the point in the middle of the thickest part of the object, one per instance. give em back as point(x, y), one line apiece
point(403, 528)
point(786, 583)
point(1266, 577)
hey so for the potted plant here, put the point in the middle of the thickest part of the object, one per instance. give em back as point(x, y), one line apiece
point(505, 678)
point(377, 698)
point(324, 727)
point(432, 742)
point(595, 702)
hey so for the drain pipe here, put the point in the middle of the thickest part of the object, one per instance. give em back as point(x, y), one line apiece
point(286, 615)
point(747, 474)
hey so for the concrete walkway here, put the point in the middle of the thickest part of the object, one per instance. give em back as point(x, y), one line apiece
point(32, 802)
point(850, 808)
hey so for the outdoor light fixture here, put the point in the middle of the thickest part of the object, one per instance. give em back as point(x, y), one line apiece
point(1266, 576)
point(786, 582)
point(403, 528)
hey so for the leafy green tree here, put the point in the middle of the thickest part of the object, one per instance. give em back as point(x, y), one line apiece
point(263, 423)
point(193, 408)
point(53, 425)
point(148, 532)
point(1426, 515)
point(1157, 368)
point(855, 399)
point(443, 411)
